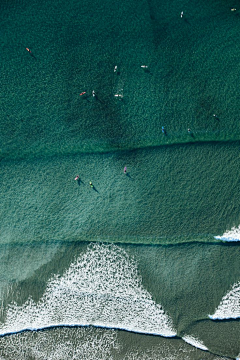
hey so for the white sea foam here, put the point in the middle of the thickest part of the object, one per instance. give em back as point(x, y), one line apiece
point(82, 343)
point(91, 344)
point(194, 342)
point(101, 288)
point(229, 307)
point(231, 235)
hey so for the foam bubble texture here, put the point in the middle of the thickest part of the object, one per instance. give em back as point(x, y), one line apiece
point(232, 235)
point(195, 342)
point(229, 307)
point(91, 344)
point(85, 344)
point(101, 288)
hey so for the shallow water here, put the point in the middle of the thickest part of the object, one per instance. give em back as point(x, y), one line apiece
point(173, 270)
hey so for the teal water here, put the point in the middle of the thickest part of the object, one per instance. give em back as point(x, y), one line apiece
point(136, 258)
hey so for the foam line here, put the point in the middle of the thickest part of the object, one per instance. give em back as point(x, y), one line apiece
point(194, 342)
point(229, 307)
point(101, 288)
point(232, 235)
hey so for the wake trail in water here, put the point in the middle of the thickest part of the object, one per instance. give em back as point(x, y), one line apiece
point(101, 288)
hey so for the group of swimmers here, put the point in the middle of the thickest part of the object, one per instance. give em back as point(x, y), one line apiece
point(77, 178)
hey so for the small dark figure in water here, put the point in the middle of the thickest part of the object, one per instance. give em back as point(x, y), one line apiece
point(125, 170)
point(189, 131)
point(163, 130)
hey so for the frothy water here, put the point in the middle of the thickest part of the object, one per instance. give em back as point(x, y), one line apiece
point(101, 288)
point(85, 344)
point(89, 343)
point(195, 342)
point(231, 235)
point(229, 307)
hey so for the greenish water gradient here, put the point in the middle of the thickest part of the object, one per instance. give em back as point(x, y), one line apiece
point(181, 189)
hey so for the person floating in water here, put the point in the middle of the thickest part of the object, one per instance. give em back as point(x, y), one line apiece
point(181, 14)
point(125, 170)
point(119, 96)
point(91, 184)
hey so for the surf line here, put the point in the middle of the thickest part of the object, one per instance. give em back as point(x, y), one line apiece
point(69, 326)
point(49, 327)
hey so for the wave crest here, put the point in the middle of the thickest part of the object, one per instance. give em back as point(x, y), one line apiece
point(229, 307)
point(232, 235)
point(101, 288)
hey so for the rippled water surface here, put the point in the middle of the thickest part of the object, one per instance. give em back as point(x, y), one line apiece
point(144, 264)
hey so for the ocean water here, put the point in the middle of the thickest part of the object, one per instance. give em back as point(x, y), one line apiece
point(144, 265)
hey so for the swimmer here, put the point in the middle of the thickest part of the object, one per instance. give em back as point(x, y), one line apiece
point(144, 66)
point(115, 68)
point(77, 177)
point(181, 14)
point(163, 130)
point(189, 131)
point(233, 9)
point(28, 50)
point(91, 184)
point(82, 93)
point(214, 115)
point(125, 170)
point(93, 93)
point(120, 96)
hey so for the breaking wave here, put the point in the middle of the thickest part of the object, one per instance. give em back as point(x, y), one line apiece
point(194, 342)
point(101, 288)
point(229, 307)
point(231, 235)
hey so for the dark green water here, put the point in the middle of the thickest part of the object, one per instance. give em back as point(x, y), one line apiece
point(181, 189)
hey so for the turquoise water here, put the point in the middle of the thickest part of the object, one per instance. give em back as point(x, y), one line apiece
point(135, 267)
